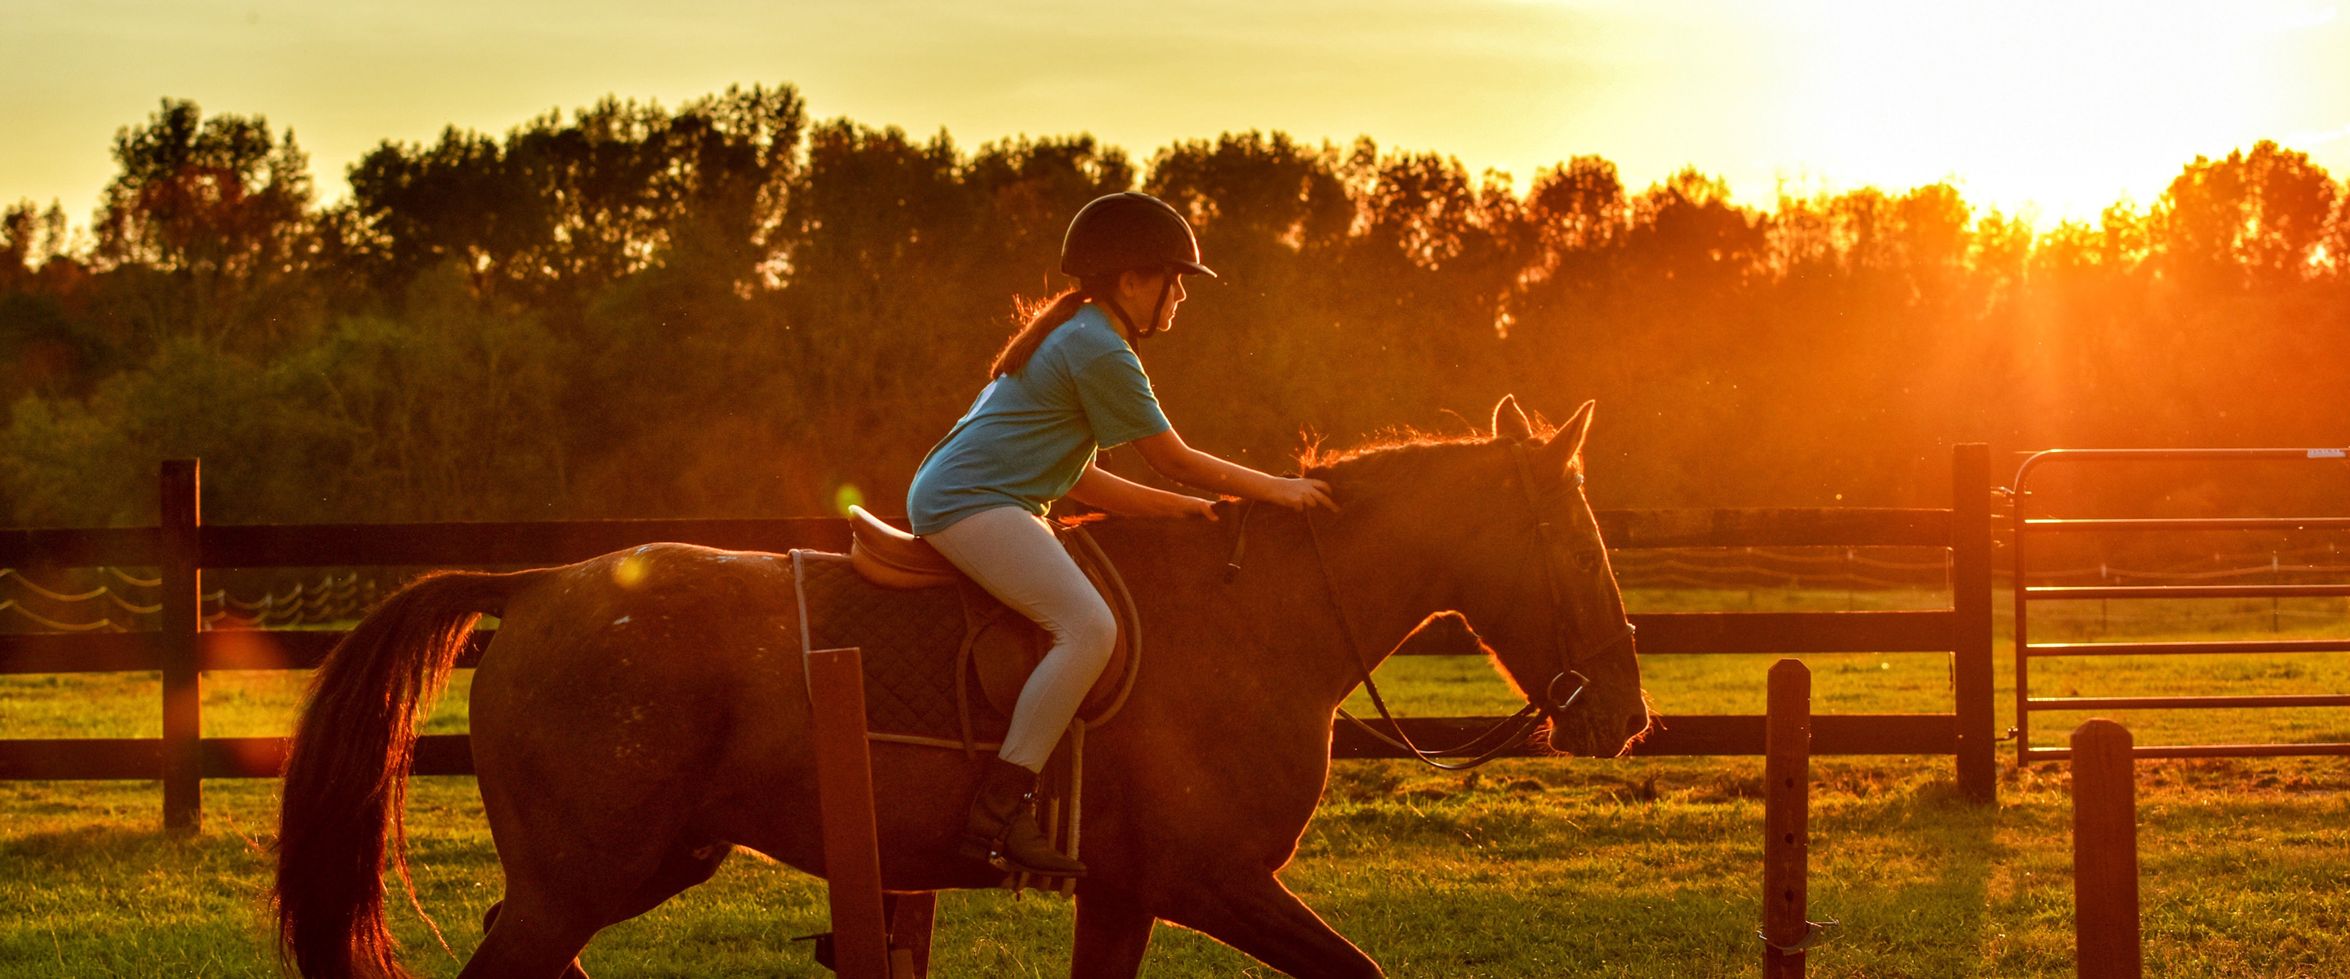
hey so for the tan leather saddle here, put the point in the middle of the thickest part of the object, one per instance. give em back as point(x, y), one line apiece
point(1001, 646)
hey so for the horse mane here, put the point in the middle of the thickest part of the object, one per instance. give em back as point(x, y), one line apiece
point(1394, 446)
point(1399, 444)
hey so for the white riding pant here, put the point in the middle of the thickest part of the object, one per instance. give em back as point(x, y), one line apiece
point(1014, 555)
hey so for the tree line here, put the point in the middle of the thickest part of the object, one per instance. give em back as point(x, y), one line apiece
point(731, 309)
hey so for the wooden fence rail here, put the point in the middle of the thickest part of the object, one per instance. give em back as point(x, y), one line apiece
point(183, 546)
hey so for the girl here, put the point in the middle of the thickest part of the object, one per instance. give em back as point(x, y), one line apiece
point(1066, 385)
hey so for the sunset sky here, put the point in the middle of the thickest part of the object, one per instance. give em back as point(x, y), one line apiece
point(2053, 106)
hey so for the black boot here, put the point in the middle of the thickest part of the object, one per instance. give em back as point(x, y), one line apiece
point(1002, 828)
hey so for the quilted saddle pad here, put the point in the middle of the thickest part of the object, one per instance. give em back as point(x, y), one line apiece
point(911, 641)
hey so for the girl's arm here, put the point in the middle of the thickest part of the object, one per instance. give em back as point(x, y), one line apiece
point(1103, 490)
point(1166, 453)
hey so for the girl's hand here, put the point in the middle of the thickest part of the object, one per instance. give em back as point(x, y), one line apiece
point(1300, 493)
point(1195, 507)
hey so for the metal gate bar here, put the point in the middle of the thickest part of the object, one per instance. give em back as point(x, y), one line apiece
point(2242, 750)
point(2186, 523)
point(2187, 591)
point(2051, 649)
point(2027, 527)
point(2140, 703)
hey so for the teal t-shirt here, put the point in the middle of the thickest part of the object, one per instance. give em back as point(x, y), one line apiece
point(1030, 434)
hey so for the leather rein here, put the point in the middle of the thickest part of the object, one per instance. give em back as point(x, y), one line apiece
point(1506, 733)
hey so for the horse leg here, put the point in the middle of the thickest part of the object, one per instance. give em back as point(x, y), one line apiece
point(489, 920)
point(680, 869)
point(1250, 910)
point(1113, 932)
point(528, 942)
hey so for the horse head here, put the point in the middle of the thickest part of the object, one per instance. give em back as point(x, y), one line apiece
point(1497, 530)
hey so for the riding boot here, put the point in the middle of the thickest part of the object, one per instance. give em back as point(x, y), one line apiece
point(1002, 827)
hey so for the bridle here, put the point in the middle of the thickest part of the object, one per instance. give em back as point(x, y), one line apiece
point(1511, 731)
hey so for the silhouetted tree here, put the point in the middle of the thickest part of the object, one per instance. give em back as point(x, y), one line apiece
point(631, 310)
point(206, 226)
point(2257, 216)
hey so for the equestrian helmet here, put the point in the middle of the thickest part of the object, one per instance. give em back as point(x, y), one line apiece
point(1130, 230)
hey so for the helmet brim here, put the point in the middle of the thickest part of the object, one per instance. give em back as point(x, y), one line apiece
point(1194, 268)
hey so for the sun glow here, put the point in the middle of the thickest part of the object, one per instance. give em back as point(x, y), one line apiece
point(2068, 104)
point(2059, 108)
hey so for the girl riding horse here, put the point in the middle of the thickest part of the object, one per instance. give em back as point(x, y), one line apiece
point(1068, 384)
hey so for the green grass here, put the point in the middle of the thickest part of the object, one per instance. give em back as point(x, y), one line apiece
point(1642, 867)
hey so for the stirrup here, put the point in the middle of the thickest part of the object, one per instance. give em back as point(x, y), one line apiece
point(993, 853)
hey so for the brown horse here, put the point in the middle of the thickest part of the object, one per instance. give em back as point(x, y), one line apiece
point(640, 714)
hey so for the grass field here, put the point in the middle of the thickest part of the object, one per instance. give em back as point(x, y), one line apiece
point(1643, 867)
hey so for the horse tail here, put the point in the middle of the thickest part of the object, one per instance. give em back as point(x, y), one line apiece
point(347, 775)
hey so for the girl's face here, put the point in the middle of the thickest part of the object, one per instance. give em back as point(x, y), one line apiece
point(1137, 291)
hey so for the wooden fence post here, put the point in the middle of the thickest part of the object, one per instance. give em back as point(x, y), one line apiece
point(1786, 818)
point(1970, 601)
point(2105, 852)
point(844, 789)
point(182, 619)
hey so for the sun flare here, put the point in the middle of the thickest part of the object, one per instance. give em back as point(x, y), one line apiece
point(2061, 108)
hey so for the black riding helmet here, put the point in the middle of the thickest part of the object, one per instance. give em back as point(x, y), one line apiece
point(1127, 231)
point(1130, 230)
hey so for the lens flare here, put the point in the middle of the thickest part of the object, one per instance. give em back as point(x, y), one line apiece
point(631, 570)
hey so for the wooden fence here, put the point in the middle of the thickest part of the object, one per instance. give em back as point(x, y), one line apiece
point(183, 546)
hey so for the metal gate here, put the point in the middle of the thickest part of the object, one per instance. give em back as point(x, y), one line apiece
point(2029, 528)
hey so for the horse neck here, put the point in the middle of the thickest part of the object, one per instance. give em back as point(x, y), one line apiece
point(1323, 626)
point(1364, 603)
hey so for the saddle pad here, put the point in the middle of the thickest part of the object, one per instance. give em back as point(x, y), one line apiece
point(910, 641)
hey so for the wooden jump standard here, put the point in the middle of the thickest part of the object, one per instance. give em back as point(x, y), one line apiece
point(868, 941)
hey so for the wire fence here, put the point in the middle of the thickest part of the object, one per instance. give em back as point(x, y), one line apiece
point(1856, 578)
point(1904, 568)
point(122, 600)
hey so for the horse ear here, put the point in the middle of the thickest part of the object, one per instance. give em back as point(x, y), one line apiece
point(1509, 422)
point(1567, 442)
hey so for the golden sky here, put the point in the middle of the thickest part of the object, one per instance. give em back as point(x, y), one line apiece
point(2055, 107)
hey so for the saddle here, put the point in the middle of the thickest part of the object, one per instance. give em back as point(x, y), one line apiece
point(1001, 647)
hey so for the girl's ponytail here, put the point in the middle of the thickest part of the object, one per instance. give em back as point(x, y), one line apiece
point(1042, 319)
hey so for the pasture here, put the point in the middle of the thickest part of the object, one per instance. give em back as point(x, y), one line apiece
point(1637, 867)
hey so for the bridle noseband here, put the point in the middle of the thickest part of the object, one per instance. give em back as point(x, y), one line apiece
point(1510, 731)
